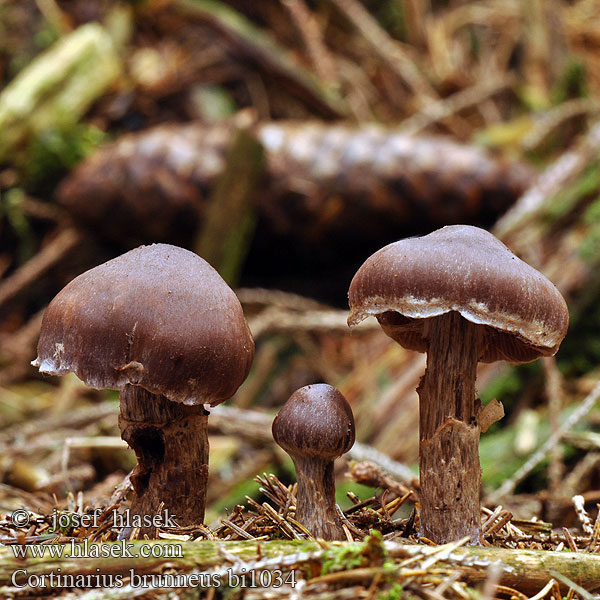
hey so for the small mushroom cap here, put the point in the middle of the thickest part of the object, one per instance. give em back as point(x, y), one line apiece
point(159, 317)
point(316, 421)
point(465, 269)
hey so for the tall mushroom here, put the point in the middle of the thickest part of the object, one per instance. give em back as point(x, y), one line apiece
point(159, 324)
point(462, 296)
point(316, 426)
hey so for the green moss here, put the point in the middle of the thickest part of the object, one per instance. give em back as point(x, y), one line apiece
point(533, 97)
point(46, 36)
point(589, 250)
point(497, 450)
point(390, 14)
point(11, 207)
point(497, 457)
point(580, 351)
point(506, 136)
point(566, 200)
point(343, 558)
point(572, 82)
point(369, 553)
point(395, 592)
point(474, 41)
point(591, 216)
point(55, 151)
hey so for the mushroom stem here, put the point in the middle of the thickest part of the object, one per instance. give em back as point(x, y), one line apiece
point(315, 498)
point(449, 467)
point(170, 441)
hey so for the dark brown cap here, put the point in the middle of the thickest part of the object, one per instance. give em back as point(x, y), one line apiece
point(159, 317)
point(464, 269)
point(316, 421)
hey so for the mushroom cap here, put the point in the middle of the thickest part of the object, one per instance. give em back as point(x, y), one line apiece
point(159, 317)
point(316, 421)
point(464, 269)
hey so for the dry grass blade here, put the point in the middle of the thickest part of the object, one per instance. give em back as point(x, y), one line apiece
point(564, 170)
point(584, 594)
point(312, 36)
point(442, 109)
point(570, 541)
point(258, 45)
point(275, 320)
point(490, 586)
point(554, 394)
point(500, 523)
point(386, 48)
point(46, 258)
point(283, 524)
point(579, 413)
point(238, 530)
point(544, 591)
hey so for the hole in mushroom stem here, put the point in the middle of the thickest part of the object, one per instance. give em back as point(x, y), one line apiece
point(149, 446)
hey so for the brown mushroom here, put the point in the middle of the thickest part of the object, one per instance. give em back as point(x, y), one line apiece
point(159, 324)
point(316, 426)
point(462, 296)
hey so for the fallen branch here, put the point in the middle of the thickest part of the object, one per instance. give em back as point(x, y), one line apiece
point(525, 570)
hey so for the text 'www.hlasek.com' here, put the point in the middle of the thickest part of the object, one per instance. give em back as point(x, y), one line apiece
point(113, 574)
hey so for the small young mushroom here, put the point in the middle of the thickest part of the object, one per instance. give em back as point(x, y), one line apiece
point(462, 296)
point(316, 426)
point(159, 324)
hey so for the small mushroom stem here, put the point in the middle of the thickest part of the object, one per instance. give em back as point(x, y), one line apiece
point(170, 441)
point(450, 472)
point(315, 498)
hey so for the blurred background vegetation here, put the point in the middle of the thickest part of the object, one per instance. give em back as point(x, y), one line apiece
point(85, 175)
